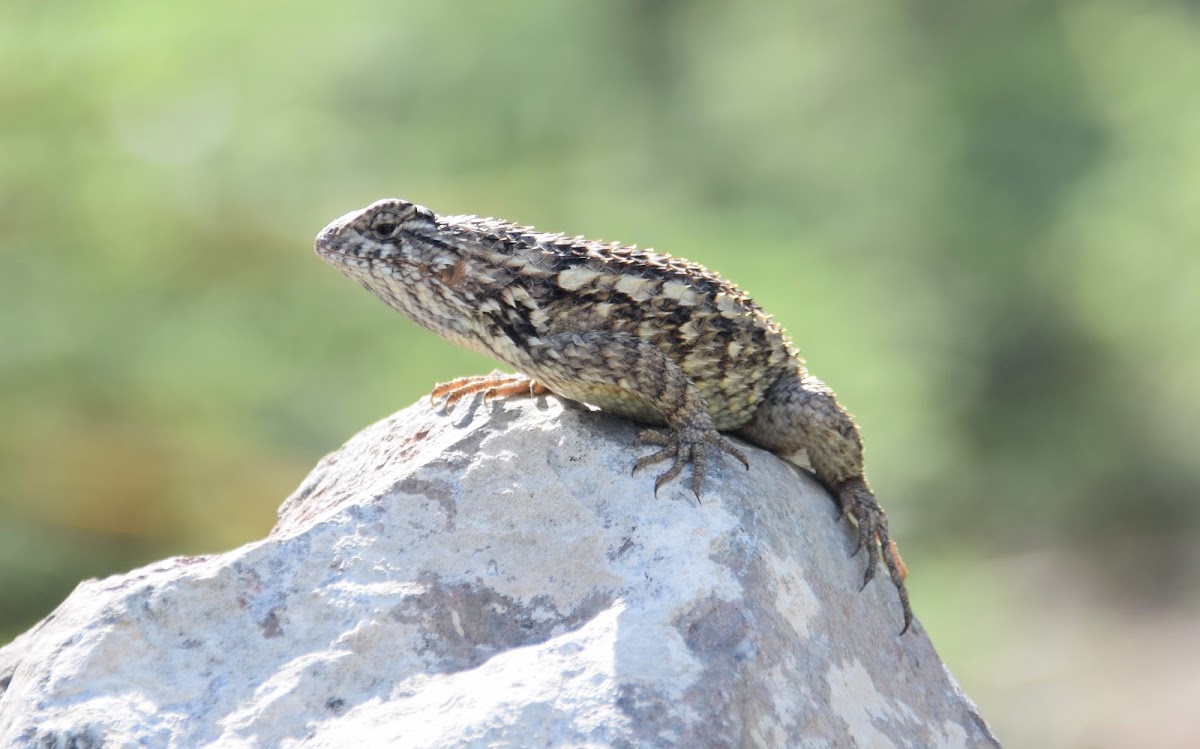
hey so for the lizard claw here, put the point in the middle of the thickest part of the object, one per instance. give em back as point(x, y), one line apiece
point(685, 446)
point(858, 501)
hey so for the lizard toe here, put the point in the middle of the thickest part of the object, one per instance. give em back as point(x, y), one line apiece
point(657, 457)
point(671, 473)
point(653, 437)
point(686, 445)
point(859, 502)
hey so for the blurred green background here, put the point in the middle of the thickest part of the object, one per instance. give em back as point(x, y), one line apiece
point(979, 221)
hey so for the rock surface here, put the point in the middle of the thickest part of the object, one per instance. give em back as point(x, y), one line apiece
point(495, 577)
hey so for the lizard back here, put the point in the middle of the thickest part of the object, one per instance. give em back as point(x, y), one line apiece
point(502, 289)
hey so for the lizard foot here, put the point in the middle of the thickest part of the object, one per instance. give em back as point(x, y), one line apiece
point(494, 385)
point(859, 502)
point(687, 445)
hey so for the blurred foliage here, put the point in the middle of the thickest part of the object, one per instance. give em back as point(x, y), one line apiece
point(978, 221)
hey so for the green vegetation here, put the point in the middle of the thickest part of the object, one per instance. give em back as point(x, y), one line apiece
point(978, 221)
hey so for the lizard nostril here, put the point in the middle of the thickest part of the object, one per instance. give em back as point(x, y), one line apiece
point(328, 235)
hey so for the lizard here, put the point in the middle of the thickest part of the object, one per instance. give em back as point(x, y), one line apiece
point(641, 334)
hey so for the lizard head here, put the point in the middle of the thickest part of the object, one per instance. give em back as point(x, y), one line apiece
point(406, 256)
point(388, 232)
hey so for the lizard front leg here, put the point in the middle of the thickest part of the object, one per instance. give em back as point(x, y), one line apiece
point(494, 385)
point(800, 411)
point(625, 375)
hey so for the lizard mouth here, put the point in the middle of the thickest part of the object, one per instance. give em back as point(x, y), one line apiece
point(345, 261)
point(328, 253)
point(338, 258)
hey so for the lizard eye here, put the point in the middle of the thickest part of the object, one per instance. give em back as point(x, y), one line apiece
point(385, 226)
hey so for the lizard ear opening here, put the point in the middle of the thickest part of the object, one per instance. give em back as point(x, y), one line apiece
point(453, 275)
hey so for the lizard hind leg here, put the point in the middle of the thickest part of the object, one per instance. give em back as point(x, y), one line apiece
point(495, 385)
point(800, 411)
point(627, 376)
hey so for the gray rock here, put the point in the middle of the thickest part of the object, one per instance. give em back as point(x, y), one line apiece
point(494, 578)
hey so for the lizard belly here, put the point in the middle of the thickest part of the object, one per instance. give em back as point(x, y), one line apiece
point(610, 398)
point(727, 413)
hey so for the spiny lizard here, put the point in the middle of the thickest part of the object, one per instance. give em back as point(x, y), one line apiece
point(641, 334)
